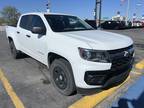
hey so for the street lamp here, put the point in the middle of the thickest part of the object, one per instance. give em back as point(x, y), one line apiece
point(98, 8)
point(138, 5)
point(48, 6)
point(127, 12)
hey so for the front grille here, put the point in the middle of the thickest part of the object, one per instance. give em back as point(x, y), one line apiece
point(120, 63)
point(119, 59)
point(120, 50)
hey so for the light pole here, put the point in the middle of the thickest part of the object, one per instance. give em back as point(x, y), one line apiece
point(138, 5)
point(98, 8)
point(48, 6)
point(127, 12)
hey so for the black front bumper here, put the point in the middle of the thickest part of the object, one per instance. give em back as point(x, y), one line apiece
point(113, 81)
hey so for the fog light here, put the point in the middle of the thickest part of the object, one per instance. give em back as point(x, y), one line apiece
point(91, 78)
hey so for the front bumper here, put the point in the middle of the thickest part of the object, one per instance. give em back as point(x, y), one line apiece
point(112, 81)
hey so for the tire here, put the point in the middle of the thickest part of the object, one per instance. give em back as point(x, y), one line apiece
point(62, 77)
point(14, 52)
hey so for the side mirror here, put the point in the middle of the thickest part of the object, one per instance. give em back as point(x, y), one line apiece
point(39, 30)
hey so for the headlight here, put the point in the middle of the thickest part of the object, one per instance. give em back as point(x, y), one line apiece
point(94, 55)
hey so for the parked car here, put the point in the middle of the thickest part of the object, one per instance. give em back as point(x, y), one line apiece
point(113, 25)
point(92, 23)
point(142, 23)
point(137, 24)
point(78, 57)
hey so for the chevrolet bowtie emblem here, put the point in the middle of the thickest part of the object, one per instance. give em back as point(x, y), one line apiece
point(126, 53)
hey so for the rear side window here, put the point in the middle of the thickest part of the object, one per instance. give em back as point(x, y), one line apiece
point(25, 22)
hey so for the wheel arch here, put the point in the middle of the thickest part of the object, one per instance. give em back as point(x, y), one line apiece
point(52, 56)
point(10, 39)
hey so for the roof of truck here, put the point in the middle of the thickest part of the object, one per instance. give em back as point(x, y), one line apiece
point(46, 13)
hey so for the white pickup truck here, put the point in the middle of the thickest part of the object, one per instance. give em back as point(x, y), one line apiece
point(79, 58)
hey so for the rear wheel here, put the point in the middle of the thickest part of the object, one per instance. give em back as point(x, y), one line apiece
point(15, 53)
point(62, 77)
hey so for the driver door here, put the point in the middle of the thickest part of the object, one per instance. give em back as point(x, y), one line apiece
point(37, 42)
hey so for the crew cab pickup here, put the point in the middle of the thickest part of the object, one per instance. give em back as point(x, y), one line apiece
point(79, 58)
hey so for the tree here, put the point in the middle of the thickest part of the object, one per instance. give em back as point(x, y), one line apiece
point(10, 14)
point(2, 21)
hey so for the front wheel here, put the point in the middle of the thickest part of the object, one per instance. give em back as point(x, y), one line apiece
point(15, 53)
point(62, 77)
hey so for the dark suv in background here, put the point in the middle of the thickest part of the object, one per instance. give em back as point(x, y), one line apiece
point(113, 25)
point(92, 23)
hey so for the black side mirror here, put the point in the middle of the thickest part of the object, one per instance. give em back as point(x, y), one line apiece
point(39, 30)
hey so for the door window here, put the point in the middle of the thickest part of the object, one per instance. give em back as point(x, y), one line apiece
point(25, 22)
point(37, 22)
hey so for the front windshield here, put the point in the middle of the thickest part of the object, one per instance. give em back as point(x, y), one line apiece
point(64, 23)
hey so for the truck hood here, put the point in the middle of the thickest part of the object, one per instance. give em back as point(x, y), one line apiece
point(101, 40)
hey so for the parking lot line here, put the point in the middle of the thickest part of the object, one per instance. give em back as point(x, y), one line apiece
point(137, 73)
point(140, 65)
point(93, 100)
point(15, 99)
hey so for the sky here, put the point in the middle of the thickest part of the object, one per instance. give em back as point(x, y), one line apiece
point(81, 8)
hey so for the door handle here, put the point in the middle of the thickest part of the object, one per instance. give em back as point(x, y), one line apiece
point(28, 36)
point(18, 32)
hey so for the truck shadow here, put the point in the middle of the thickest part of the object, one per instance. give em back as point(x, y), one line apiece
point(22, 56)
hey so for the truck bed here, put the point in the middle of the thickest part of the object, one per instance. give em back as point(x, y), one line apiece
point(10, 31)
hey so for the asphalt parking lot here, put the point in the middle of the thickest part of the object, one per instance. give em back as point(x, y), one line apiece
point(27, 77)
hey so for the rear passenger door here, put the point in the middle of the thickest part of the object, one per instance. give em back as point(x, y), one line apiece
point(22, 33)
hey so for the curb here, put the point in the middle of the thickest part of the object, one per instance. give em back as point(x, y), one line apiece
point(93, 100)
point(140, 65)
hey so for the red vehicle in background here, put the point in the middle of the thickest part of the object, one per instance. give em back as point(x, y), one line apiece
point(142, 23)
point(138, 23)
